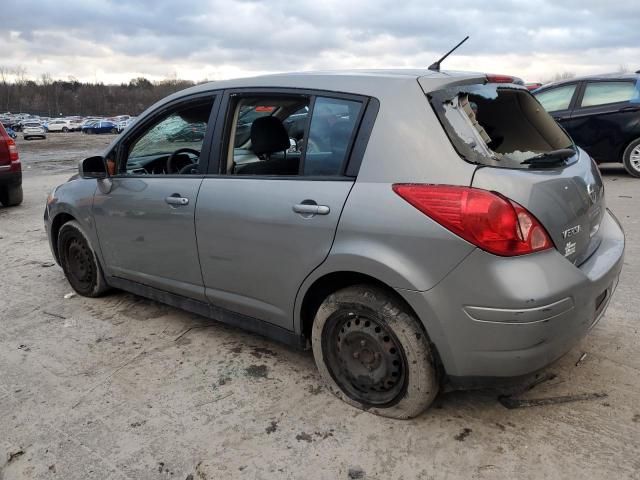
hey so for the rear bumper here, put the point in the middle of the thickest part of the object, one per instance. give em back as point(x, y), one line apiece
point(10, 178)
point(508, 317)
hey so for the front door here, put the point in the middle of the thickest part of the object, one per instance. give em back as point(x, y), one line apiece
point(268, 219)
point(144, 213)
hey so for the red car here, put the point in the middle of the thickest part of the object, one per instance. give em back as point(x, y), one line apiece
point(10, 171)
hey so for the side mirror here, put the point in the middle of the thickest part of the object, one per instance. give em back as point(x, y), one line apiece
point(93, 167)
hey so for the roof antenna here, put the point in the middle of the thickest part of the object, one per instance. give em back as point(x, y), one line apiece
point(436, 65)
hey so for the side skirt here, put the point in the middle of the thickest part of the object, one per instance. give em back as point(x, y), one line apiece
point(218, 314)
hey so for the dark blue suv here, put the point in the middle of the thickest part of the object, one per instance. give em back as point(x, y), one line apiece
point(601, 113)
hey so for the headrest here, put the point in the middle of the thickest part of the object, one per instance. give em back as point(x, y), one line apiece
point(268, 135)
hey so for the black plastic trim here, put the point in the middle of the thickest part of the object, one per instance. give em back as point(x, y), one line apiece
point(362, 137)
point(213, 312)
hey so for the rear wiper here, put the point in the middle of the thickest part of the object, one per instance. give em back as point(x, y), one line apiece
point(550, 158)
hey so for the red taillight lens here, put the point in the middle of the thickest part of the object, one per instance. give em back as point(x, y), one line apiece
point(485, 219)
point(13, 150)
point(494, 78)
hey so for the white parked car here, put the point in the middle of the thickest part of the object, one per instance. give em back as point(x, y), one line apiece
point(60, 125)
point(76, 125)
point(32, 130)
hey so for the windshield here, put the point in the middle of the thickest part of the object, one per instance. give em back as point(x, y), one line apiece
point(501, 126)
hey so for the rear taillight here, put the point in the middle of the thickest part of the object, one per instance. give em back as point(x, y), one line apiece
point(13, 150)
point(486, 219)
point(496, 78)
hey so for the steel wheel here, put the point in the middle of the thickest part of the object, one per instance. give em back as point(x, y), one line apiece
point(80, 264)
point(365, 358)
point(373, 353)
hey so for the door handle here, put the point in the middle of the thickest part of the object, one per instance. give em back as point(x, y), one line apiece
point(176, 199)
point(559, 118)
point(311, 209)
point(630, 108)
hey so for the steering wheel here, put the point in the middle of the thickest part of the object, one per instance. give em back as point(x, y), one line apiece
point(171, 167)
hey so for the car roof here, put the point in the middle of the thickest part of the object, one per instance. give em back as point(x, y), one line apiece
point(364, 82)
point(601, 76)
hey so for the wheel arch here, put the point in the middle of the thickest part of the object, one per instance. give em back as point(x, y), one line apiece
point(56, 224)
point(330, 282)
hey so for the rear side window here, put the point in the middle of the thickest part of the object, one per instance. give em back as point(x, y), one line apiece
point(602, 93)
point(498, 125)
point(556, 98)
point(290, 134)
point(332, 128)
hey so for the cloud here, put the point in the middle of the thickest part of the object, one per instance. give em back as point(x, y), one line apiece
point(115, 41)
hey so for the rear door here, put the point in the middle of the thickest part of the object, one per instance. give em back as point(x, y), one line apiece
point(267, 215)
point(559, 101)
point(605, 119)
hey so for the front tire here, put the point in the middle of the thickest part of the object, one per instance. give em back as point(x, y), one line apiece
point(11, 196)
point(79, 261)
point(631, 158)
point(373, 353)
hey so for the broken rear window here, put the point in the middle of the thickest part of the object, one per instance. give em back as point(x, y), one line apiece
point(501, 126)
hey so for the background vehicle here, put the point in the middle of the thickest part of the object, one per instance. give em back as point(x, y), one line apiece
point(10, 131)
point(101, 126)
point(75, 124)
point(33, 129)
point(10, 171)
point(59, 125)
point(433, 227)
point(601, 113)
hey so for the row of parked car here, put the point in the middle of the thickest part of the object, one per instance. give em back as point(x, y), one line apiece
point(37, 127)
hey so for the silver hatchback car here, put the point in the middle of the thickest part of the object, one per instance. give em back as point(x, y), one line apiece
point(411, 227)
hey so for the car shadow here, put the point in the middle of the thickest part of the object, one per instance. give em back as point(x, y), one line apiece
point(612, 169)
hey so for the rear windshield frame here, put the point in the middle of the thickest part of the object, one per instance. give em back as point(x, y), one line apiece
point(478, 151)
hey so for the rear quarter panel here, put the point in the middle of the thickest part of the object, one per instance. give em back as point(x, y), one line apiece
point(379, 233)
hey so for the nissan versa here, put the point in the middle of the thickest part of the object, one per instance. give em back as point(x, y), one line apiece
point(411, 227)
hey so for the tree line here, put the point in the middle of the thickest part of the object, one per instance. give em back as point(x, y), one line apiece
point(48, 97)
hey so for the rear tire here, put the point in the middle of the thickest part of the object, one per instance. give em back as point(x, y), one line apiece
point(631, 158)
point(79, 261)
point(373, 353)
point(11, 196)
point(65, 129)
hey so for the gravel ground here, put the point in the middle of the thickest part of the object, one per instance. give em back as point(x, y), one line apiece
point(125, 388)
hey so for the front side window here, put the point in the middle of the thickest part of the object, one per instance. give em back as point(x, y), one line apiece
point(172, 144)
point(291, 135)
point(602, 93)
point(558, 98)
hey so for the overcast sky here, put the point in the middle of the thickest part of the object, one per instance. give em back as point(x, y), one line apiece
point(115, 41)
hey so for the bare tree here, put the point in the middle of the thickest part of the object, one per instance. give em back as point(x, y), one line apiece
point(560, 76)
point(51, 97)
